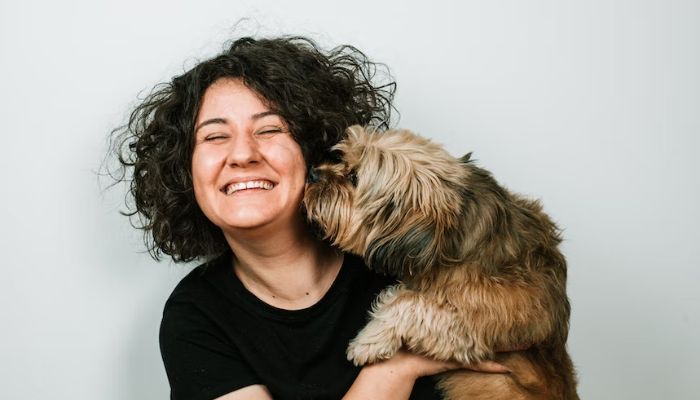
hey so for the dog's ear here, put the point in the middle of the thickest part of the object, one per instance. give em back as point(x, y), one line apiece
point(404, 255)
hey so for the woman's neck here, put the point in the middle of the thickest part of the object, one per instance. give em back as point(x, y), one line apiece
point(290, 270)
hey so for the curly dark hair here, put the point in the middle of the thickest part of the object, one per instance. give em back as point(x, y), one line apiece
point(319, 94)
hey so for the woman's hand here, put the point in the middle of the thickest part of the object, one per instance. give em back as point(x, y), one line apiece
point(419, 366)
point(394, 378)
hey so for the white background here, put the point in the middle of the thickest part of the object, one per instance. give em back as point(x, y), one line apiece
point(592, 106)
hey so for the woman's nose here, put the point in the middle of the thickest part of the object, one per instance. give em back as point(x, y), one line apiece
point(244, 151)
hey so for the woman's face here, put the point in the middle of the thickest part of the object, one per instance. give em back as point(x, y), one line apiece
point(247, 170)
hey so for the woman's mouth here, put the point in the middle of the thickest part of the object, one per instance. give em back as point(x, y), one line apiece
point(240, 186)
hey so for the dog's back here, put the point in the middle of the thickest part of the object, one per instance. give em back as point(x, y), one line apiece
point(512, 270)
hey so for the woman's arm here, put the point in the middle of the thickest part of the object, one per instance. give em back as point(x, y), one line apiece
point(394, 378)
point(253, 392)
point(391, 379)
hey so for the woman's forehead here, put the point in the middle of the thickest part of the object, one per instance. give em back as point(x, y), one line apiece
point(231, 97)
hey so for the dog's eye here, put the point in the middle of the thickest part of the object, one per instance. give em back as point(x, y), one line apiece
point(335, 156)
point(352, 177)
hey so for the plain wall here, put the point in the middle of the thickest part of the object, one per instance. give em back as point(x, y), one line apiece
point(591, 106)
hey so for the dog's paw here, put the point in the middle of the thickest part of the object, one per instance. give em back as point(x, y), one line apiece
point(465, 358)
point(361, 353)
point(470, 356)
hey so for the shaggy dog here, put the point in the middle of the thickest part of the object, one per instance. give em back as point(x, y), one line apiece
point(478, 266)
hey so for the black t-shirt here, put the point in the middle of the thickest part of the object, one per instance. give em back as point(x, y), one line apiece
point(216, 336)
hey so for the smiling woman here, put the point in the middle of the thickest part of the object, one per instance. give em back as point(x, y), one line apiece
point(247, 169)
point(217, 161)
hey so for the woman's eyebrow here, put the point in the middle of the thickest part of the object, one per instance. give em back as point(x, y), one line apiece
point(254, 117)
point(259, 115)
point(209, 122)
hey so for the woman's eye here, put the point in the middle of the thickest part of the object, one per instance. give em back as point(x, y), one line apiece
point(269, 131)
point(211, 138)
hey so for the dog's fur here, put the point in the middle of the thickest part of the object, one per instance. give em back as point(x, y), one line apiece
point(479, 266)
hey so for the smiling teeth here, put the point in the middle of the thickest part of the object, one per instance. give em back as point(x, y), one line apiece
point(235, 187)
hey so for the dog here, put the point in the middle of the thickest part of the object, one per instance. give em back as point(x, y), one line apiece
point(478, 266)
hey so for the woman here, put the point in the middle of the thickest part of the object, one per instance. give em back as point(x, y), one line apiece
point(220, 157)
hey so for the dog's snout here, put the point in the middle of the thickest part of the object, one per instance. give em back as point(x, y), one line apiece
point(313, 175)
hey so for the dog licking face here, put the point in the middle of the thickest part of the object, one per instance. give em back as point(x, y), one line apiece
point(382, 200)
point(478, 266)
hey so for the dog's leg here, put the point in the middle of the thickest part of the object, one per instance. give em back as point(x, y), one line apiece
point(379, 339)
point(402, 317)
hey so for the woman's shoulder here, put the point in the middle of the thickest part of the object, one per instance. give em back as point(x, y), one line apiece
point(201, 278)
point(199, 303)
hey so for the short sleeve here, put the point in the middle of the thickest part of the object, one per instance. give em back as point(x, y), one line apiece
point(200, 362)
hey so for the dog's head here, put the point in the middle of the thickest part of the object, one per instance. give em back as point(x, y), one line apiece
point(391, 197)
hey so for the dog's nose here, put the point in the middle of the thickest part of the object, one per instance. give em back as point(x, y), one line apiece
point(313, 176)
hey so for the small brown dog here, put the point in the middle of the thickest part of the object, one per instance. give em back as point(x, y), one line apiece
point(479, 266)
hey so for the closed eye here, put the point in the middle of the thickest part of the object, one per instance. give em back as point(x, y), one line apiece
point(269, 131)
point(213, 137)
